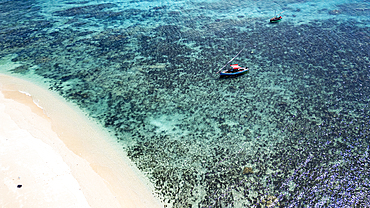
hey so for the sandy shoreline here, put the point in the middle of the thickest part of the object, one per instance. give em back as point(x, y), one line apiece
point(61, 158)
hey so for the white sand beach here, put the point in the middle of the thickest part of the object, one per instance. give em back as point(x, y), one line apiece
point(60, 157)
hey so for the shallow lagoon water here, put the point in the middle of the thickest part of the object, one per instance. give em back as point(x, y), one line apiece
point(146, 71)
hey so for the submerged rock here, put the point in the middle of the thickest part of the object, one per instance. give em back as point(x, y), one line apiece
point(247, 170)
point(270, 201)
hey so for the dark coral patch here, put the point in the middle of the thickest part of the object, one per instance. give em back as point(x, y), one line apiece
point(88, 11)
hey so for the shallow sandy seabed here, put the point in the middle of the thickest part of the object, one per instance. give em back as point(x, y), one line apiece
point(59, 156)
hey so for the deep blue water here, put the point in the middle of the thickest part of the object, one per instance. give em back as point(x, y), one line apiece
point(146, 70)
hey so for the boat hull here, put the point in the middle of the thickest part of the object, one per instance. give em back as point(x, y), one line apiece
point(233, 74)
point(275, 20)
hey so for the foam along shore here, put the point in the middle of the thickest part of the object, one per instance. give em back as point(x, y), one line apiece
point(52, 155)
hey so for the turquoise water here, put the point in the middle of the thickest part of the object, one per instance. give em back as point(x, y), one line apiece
point(147, 71)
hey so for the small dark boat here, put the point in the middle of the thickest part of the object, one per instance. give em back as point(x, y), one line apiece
point(276, 19)
point(235, 70)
